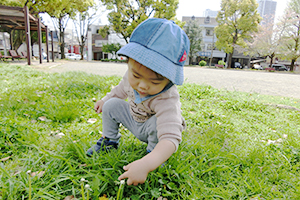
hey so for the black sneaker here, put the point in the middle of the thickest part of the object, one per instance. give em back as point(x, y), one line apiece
point(103, 144)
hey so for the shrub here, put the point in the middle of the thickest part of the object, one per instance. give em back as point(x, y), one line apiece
point(202, 63)
point(221, 62)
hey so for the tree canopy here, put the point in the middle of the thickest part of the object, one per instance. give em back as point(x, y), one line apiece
point(237, 20)
point(290, 42)
point(126, 15)
point(194, 33)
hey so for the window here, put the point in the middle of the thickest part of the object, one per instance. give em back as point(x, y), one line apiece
point(207, 20)
point(208, 32)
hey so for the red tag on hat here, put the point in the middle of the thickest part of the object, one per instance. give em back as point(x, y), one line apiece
point(183, 57)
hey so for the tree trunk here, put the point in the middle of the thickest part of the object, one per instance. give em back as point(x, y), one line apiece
point(81, 50)
point(292, 64)
point(229, 60)
point(271, 58)
point(61, 38)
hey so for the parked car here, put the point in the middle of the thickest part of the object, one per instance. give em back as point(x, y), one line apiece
point(279, 67)
point(237, 65)
point(257, 66)
point(72, 56)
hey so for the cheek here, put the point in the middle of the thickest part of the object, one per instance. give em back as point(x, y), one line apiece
point(132, 81)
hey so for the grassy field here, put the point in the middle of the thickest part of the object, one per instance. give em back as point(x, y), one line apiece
point(236, 146)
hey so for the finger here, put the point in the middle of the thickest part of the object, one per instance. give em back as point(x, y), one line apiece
point(126, 168)
point(123, 176)
point(129, 181)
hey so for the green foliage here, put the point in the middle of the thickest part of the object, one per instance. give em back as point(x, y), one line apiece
point(221, 62)
point(224, 153)
point(290, 40)
point(202, 63)
point(126, 15)
point(194, 32)
point(110, 48)
point(236, 21)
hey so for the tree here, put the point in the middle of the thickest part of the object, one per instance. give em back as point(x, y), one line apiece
point(194, 33)
point(82, 22)
point(290, 42)
point(265, 42)
point(110, 48)
point(125, 15)
point(59, 10)
point(236, 21)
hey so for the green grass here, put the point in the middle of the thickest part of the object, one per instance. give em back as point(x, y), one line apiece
point(224, 153)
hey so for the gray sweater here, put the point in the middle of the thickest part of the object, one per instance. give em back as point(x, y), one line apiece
point(165, 106)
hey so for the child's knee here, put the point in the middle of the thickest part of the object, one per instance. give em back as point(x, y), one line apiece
point(110, 104)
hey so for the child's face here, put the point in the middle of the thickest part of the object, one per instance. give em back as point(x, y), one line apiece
point(144, 80)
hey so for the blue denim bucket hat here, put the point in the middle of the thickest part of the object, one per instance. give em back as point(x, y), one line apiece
point(161, 46)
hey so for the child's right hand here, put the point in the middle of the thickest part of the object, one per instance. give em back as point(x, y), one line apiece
point(98, 106)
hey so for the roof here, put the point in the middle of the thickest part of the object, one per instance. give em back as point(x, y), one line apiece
point(14, 18)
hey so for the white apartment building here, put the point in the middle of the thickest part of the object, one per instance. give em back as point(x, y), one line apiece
point(208, 39)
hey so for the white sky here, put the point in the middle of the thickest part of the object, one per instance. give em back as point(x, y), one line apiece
point(197, 7)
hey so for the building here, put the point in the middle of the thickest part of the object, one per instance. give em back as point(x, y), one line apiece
point(97, 42)
point(267, 10)
point(209, 51)
point(210, 13)
point(208, 39)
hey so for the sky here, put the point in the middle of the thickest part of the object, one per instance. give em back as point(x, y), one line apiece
point(197, 7)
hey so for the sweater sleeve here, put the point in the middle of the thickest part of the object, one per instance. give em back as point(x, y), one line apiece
point(169, 120)
point(118, 91)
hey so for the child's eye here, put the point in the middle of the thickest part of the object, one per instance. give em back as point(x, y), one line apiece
point(135, 76)
point(155, 83)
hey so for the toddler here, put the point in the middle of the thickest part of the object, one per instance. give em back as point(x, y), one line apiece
point(156, 53)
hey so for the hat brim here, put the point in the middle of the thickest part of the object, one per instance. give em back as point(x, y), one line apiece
point(154, 61)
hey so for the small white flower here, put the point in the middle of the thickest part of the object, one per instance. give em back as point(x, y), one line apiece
point(28, 172)
point(87, 186)
point(82, 179)
point(122, 182)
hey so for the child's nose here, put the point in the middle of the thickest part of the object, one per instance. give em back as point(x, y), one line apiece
point(143, 85)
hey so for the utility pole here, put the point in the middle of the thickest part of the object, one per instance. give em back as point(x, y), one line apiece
point(212, 47)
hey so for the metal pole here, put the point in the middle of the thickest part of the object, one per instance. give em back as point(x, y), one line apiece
point(212, 48)
point(40, 40)
point(27, 31)
point(47, 44)
point(52, 46)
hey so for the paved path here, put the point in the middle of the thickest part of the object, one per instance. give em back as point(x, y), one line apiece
point(277, 84)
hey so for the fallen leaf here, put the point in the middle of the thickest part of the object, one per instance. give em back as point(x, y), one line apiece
point(42, 118)
point(38, 174)
point(69, 197)
point(17, 172)
point(274, 141)
point(104, 197)
point(59, 135)
point(91, 120)
point(82, 165)
point(5, 159)
point(161, 198)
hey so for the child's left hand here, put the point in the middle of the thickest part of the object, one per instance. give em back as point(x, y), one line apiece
point(136, 172)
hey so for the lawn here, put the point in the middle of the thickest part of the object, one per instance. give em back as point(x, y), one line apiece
point(236, 145)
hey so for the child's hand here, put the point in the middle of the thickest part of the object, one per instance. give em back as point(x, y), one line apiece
point(136, 172)
point(98, 106)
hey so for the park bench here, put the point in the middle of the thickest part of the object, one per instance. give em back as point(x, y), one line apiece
point(14, 54)
point(3, 57)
